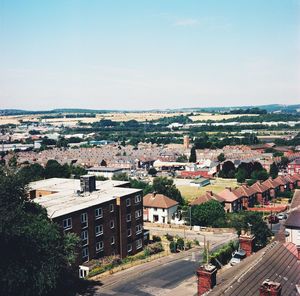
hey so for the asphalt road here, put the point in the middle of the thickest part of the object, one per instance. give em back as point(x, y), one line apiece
point(155, 281)
point(158, 281)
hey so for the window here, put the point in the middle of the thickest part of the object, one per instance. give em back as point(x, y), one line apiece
point(111, 208)
point(112, 240)
point(139, 244)
point(138, 198)
point(129, 232)
point(67, 223)
point(112, 224)
point(98, 213)
point(128, 217)
point(99, 246)
point(128, 202)
point(85, 254)
point(84, 220)
point(138, 214)
point(129, 248)
point(84, 238)
point(99, 230)
point(139, 229)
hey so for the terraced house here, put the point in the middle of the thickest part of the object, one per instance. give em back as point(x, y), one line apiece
point(106, 215)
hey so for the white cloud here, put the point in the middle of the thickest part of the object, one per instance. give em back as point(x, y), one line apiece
point(188, 22)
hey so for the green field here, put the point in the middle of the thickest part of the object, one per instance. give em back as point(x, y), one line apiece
point(191, 192)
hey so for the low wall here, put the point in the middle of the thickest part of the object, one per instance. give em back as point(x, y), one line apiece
point(275, 209)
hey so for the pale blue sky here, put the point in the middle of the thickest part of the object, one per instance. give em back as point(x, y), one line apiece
point(148, 54)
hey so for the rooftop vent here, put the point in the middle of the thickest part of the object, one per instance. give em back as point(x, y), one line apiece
point(87, 183)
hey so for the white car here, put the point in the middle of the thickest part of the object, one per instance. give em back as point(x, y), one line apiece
point(281, 216)
point(237, 257)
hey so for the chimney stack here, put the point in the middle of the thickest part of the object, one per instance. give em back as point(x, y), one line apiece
point(269, 288)
point(209, 192)
point(207, 278)
point(247, 243)
point(229, 188)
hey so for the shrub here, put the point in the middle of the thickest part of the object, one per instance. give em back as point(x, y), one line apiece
point(180, 243)
point(173, 247)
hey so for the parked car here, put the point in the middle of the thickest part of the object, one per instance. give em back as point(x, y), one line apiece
point(282, 216)
point(237, 257)
point(273, 219)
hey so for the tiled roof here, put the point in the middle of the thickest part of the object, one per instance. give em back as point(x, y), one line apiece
point(270, 183)
point(280, 180)
point(277, 262)
point(293, 220)
point(206, 197)
point(258, 187)
point(158, 201)
point(296, 199)
point(244, 191)
point(228, 195)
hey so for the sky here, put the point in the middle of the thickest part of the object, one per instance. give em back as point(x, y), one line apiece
point(142, 54)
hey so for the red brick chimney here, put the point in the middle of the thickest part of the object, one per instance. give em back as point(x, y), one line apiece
point(247, 243)
point(207, 278)
point(209, 192)
point(269, 288)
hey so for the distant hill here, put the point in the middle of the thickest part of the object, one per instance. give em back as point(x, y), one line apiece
point(269, 108)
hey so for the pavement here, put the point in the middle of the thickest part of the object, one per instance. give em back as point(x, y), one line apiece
point(172, 275)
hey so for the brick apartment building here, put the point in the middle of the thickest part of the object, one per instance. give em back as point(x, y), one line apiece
point(106, 215)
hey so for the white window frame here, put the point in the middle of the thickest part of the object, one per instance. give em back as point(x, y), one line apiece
point(128, 202)
point(112, 240)
point(84, 221)
point(138, 198)
point(138, 214)
point(100, 228)
point(68, 223)
point(85, 251)
point(138, 229)
point(128, 217)
point(139, 244)
point(98, 213)
point(112, 224)
point(99, 246)
point(111, 208)
point(85, 237)
point(129, 248)
point(130, 232)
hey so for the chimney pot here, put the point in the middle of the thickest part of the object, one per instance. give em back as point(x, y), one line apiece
point(270, 288)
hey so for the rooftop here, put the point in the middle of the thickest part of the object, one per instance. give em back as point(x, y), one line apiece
point(152, 200)
point(65, 199)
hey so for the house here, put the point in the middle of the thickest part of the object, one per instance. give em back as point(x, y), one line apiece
point(274, 270)
point(107, 172)
point(292, 224)
point(262, 192)
point(209, 195)
point(247, 194)
point(159, 208)
point(106, 215)
point(233, 203)
point(294, 166)
point(272, 185)
point(283, 183)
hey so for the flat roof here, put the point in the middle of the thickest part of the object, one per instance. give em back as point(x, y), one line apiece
point(104, 169)
point(65, 199)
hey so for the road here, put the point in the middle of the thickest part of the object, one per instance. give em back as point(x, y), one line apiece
point(158, 278)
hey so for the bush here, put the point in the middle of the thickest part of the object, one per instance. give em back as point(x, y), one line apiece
point(156, 238)
point(173, 247)
point(180, 243)
point(169, 237)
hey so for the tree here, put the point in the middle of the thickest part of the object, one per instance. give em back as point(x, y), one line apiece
point(182, 158)
point(260, 175)
point(13, 161)
point(152, 172)
point(32, 172)
point(274, 170)
point(54, 170)
point(228, 170)
point(166, 186)
point(120, 177)
point(193, 156)
point(241, 175)
point(39, 257)
point(208, 213)
point(221, 157)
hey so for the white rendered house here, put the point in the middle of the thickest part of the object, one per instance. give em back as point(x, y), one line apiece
point(159, 208)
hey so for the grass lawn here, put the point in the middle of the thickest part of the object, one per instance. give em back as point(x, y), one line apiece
point(191, 192)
